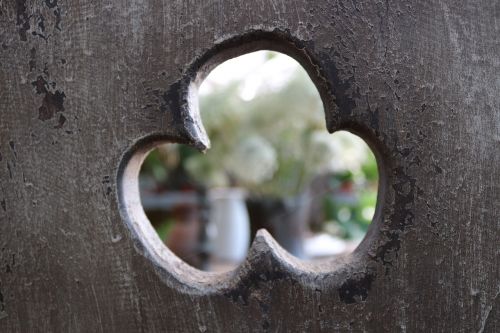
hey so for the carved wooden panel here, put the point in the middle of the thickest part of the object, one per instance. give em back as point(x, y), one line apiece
point(86, 87)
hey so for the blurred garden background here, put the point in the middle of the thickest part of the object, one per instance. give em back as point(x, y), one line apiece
point(271, 165)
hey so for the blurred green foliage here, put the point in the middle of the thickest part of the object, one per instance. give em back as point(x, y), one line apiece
point(163, 229)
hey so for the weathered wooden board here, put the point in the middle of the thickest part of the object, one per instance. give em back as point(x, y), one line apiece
point(86, 86)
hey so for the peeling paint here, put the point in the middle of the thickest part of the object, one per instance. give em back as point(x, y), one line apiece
point(356, 289)
point(52, 103)
point(23, 19)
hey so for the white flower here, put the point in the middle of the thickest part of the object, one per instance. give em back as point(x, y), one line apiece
point(336, 152)
point(324, 153)
point(354, 150)
point(252, 161)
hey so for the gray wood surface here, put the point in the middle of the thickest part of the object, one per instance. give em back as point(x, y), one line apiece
point(87, 86)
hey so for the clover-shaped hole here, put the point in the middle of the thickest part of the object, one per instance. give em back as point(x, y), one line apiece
point(272, 165)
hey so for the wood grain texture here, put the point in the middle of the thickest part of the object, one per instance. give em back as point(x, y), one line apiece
point(87, 85)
